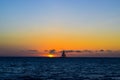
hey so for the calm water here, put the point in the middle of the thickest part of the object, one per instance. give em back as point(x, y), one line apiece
point(59, 68)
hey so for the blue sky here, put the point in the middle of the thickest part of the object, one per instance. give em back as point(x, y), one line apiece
point(42, 11)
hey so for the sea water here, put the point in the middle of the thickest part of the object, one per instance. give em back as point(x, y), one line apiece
point(37, 68)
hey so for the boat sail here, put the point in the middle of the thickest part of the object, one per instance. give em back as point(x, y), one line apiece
point(63, 54)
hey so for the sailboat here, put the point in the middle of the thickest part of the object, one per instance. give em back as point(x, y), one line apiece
point(63, 54)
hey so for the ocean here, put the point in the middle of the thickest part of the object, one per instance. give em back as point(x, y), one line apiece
point(37, 68)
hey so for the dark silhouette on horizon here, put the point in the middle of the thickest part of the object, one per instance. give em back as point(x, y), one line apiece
point(63, 54)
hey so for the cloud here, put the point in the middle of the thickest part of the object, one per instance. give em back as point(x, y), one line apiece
point(105, 51)
point(46, 50)
point(70, 51)
point(109, 51)
point(52, 51)
point(30, 51)
point(78, 51)
point(101, 50)
point(67, 51)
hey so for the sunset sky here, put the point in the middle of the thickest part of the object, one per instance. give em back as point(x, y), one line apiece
point(39, 25)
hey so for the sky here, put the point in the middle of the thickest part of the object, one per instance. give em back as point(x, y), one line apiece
point(35, 26)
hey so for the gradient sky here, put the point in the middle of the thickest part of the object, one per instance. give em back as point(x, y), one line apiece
point(60, 24)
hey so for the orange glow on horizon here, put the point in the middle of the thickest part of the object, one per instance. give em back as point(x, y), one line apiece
point(50, 55)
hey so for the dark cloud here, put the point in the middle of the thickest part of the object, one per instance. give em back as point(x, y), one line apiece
point(105, 51)
point(102, 50)
point(71, 51)
point(52, 51)
point(109, 51)
point(78, 51)
point(88, 51)
point(17, 52)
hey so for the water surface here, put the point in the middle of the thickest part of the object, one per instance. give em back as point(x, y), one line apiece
point(36, 68)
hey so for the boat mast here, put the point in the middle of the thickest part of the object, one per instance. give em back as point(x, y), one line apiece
point(63, 54)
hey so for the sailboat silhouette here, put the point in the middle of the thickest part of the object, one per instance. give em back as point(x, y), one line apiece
point(63, 54)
